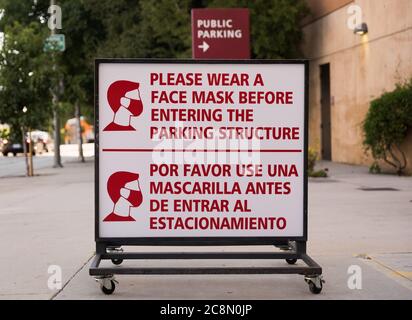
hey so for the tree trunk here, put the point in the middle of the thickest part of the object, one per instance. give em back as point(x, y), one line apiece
point(56, 120)
point(79, 131)
point(25, 151)
point(30, 155)
point(56, 124)
point(399, 166)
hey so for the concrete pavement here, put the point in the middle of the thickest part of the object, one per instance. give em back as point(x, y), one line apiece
point(48, 220)
point(45, 220)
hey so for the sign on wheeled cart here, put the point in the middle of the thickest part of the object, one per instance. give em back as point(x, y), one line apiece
point(199, 153)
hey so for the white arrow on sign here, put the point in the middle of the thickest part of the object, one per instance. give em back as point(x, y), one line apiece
point(204, 46)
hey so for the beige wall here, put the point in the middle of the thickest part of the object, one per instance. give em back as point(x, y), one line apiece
point(361, 69)
point(319, 8)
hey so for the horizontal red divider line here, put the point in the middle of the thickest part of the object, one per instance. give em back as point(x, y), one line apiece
point(200, 150)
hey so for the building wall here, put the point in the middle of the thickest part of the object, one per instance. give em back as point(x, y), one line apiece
point(319, 8)
point(361, 69)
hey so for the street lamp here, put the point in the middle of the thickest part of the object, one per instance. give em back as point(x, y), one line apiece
point(361, 29)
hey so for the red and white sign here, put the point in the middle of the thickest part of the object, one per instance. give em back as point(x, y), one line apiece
point(200, 150)
point(220, 33)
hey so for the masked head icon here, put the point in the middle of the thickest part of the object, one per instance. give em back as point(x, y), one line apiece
point(124, 99)
point(124, 190)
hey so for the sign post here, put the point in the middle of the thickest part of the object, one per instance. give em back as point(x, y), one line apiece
point(209, 152)
point(220, 33)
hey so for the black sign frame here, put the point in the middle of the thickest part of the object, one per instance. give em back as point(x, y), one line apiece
point(196, 241)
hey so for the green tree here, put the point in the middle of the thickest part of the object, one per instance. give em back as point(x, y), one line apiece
point(75, 64)
point(275, 25)
point(24, 79)
point(146, 29)
point(83, 32)
point(386, 125)
point(24, 12)
point(164, 30)
point(32, 13)
point(113, 20)
point(72, 78)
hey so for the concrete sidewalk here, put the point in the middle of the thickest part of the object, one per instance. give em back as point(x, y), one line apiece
point(45, 220)
point(49, 220)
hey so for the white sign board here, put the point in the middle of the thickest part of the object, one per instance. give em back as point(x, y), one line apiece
point(201, 149)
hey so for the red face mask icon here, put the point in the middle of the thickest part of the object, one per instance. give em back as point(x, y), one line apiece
point(124, 99)
point(124, 190)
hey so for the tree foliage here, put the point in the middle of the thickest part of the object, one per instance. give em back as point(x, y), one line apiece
point(23, 12)
point(275, 25)
point(161, 28)
point(75, 64)
point(144, 29)
point(386, 125)
point(156, 16)
point(24, 78)
point(147, 29)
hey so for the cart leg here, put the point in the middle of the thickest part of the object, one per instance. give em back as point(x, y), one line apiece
point(107, 283)
point(315, 283)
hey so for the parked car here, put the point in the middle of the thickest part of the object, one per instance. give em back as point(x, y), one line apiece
point(41, 140)
point(14, 148)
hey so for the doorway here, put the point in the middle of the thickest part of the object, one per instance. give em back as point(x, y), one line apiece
point(325, 112)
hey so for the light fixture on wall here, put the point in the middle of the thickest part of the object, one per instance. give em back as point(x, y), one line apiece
point(361, 29)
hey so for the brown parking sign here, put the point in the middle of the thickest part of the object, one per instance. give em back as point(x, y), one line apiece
point(220, 33)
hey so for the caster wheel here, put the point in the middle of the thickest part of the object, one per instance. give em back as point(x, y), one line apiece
point(117, 261)
point(314, 289)
point(108, 287)
point(315, 284)
point(291, 261)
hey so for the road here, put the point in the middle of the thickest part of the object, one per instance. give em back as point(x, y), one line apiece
point(15, 166)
